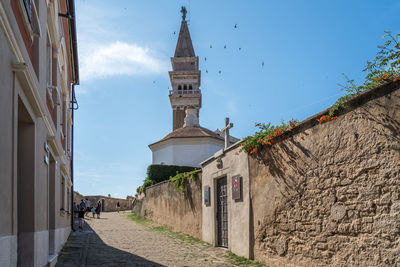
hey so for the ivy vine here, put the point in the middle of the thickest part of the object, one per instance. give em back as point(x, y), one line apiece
point(180, 179)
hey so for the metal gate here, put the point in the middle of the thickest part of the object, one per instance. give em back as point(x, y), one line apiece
point(222, 212)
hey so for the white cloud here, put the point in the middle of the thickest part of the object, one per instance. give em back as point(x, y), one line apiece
point(118, 58)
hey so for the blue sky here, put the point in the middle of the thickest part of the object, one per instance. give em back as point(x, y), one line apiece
point(125, 49)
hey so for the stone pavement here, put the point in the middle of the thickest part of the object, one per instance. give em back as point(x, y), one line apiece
point(115, 240)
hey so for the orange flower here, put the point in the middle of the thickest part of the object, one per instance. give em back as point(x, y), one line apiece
point(253, 151)
point(384, 76)
point(334, 118)
point(395, 79)
point(258, 124)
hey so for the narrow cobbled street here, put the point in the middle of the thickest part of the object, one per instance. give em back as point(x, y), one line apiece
point(116, 240)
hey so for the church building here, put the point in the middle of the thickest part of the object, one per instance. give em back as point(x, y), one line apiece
point(189, 143)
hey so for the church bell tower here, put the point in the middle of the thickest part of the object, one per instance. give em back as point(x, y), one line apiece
point(185, 77)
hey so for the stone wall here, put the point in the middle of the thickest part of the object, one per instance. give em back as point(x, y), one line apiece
point(329, 194)
point(163, 204)
point(109, 203)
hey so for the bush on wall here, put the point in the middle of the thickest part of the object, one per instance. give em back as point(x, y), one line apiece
point(157, 173)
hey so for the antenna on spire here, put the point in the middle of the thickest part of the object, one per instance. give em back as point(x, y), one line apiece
point(183, 11)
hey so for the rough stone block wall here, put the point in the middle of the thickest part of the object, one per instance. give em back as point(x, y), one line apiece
point(179, 210)
point(330, 194)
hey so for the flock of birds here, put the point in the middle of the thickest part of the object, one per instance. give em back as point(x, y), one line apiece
point(240, 49)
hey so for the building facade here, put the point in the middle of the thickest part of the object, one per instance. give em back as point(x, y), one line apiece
point(189, 143)
point(38, 70)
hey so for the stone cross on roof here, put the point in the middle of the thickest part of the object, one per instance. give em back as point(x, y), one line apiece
point(225, 130)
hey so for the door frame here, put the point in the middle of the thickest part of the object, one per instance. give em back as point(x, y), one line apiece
point(217, 241)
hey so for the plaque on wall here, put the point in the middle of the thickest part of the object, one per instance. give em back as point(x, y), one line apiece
point(236, 187)
point(207, 195)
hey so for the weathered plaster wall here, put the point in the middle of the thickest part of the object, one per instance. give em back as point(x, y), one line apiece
point(165, 205)
point(231, 163)
point(330, 194)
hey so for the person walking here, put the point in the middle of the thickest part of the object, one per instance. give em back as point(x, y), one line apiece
point(98, 209)
point(82, 204)
point(93, 211)
point(81, 216)
point(87, 206)
point(118, 207)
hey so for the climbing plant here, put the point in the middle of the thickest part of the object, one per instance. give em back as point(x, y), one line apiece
point(265, 136)
point(384, 68)
point(180, 179)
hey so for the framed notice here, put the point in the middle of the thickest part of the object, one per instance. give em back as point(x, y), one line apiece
point(207, 195)
point(236, 187)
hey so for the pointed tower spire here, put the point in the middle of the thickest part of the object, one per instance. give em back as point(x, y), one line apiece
point(185, 77)
point(184, 47)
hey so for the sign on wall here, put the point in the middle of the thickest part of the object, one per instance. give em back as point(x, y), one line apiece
point(236, 187)
point(207, 195)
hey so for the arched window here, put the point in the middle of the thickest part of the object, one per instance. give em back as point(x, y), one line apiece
point(190, 87)
point(185, 87)
point(179, 87)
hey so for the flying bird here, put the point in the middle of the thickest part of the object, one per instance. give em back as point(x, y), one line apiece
point(240, 48)
point(219, 72)
point(205, 59)
point(224, 46)
point(206, 71)
point(174, 32)
point(210, 46)
point(262, 64)
point(235, 26)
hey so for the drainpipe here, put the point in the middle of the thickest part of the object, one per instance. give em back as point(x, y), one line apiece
point(73, 104)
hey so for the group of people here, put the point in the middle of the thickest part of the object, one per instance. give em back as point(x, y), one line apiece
point(84, 208)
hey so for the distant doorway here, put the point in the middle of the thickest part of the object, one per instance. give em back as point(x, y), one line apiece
point(25, 186)
point(222, 212)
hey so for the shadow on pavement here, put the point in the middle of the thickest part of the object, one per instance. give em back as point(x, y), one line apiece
point(85, 248)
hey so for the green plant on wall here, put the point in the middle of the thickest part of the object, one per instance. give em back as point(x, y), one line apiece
point(180, 179)
point(157, 173)
point(384, 68)
point(265, 136)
